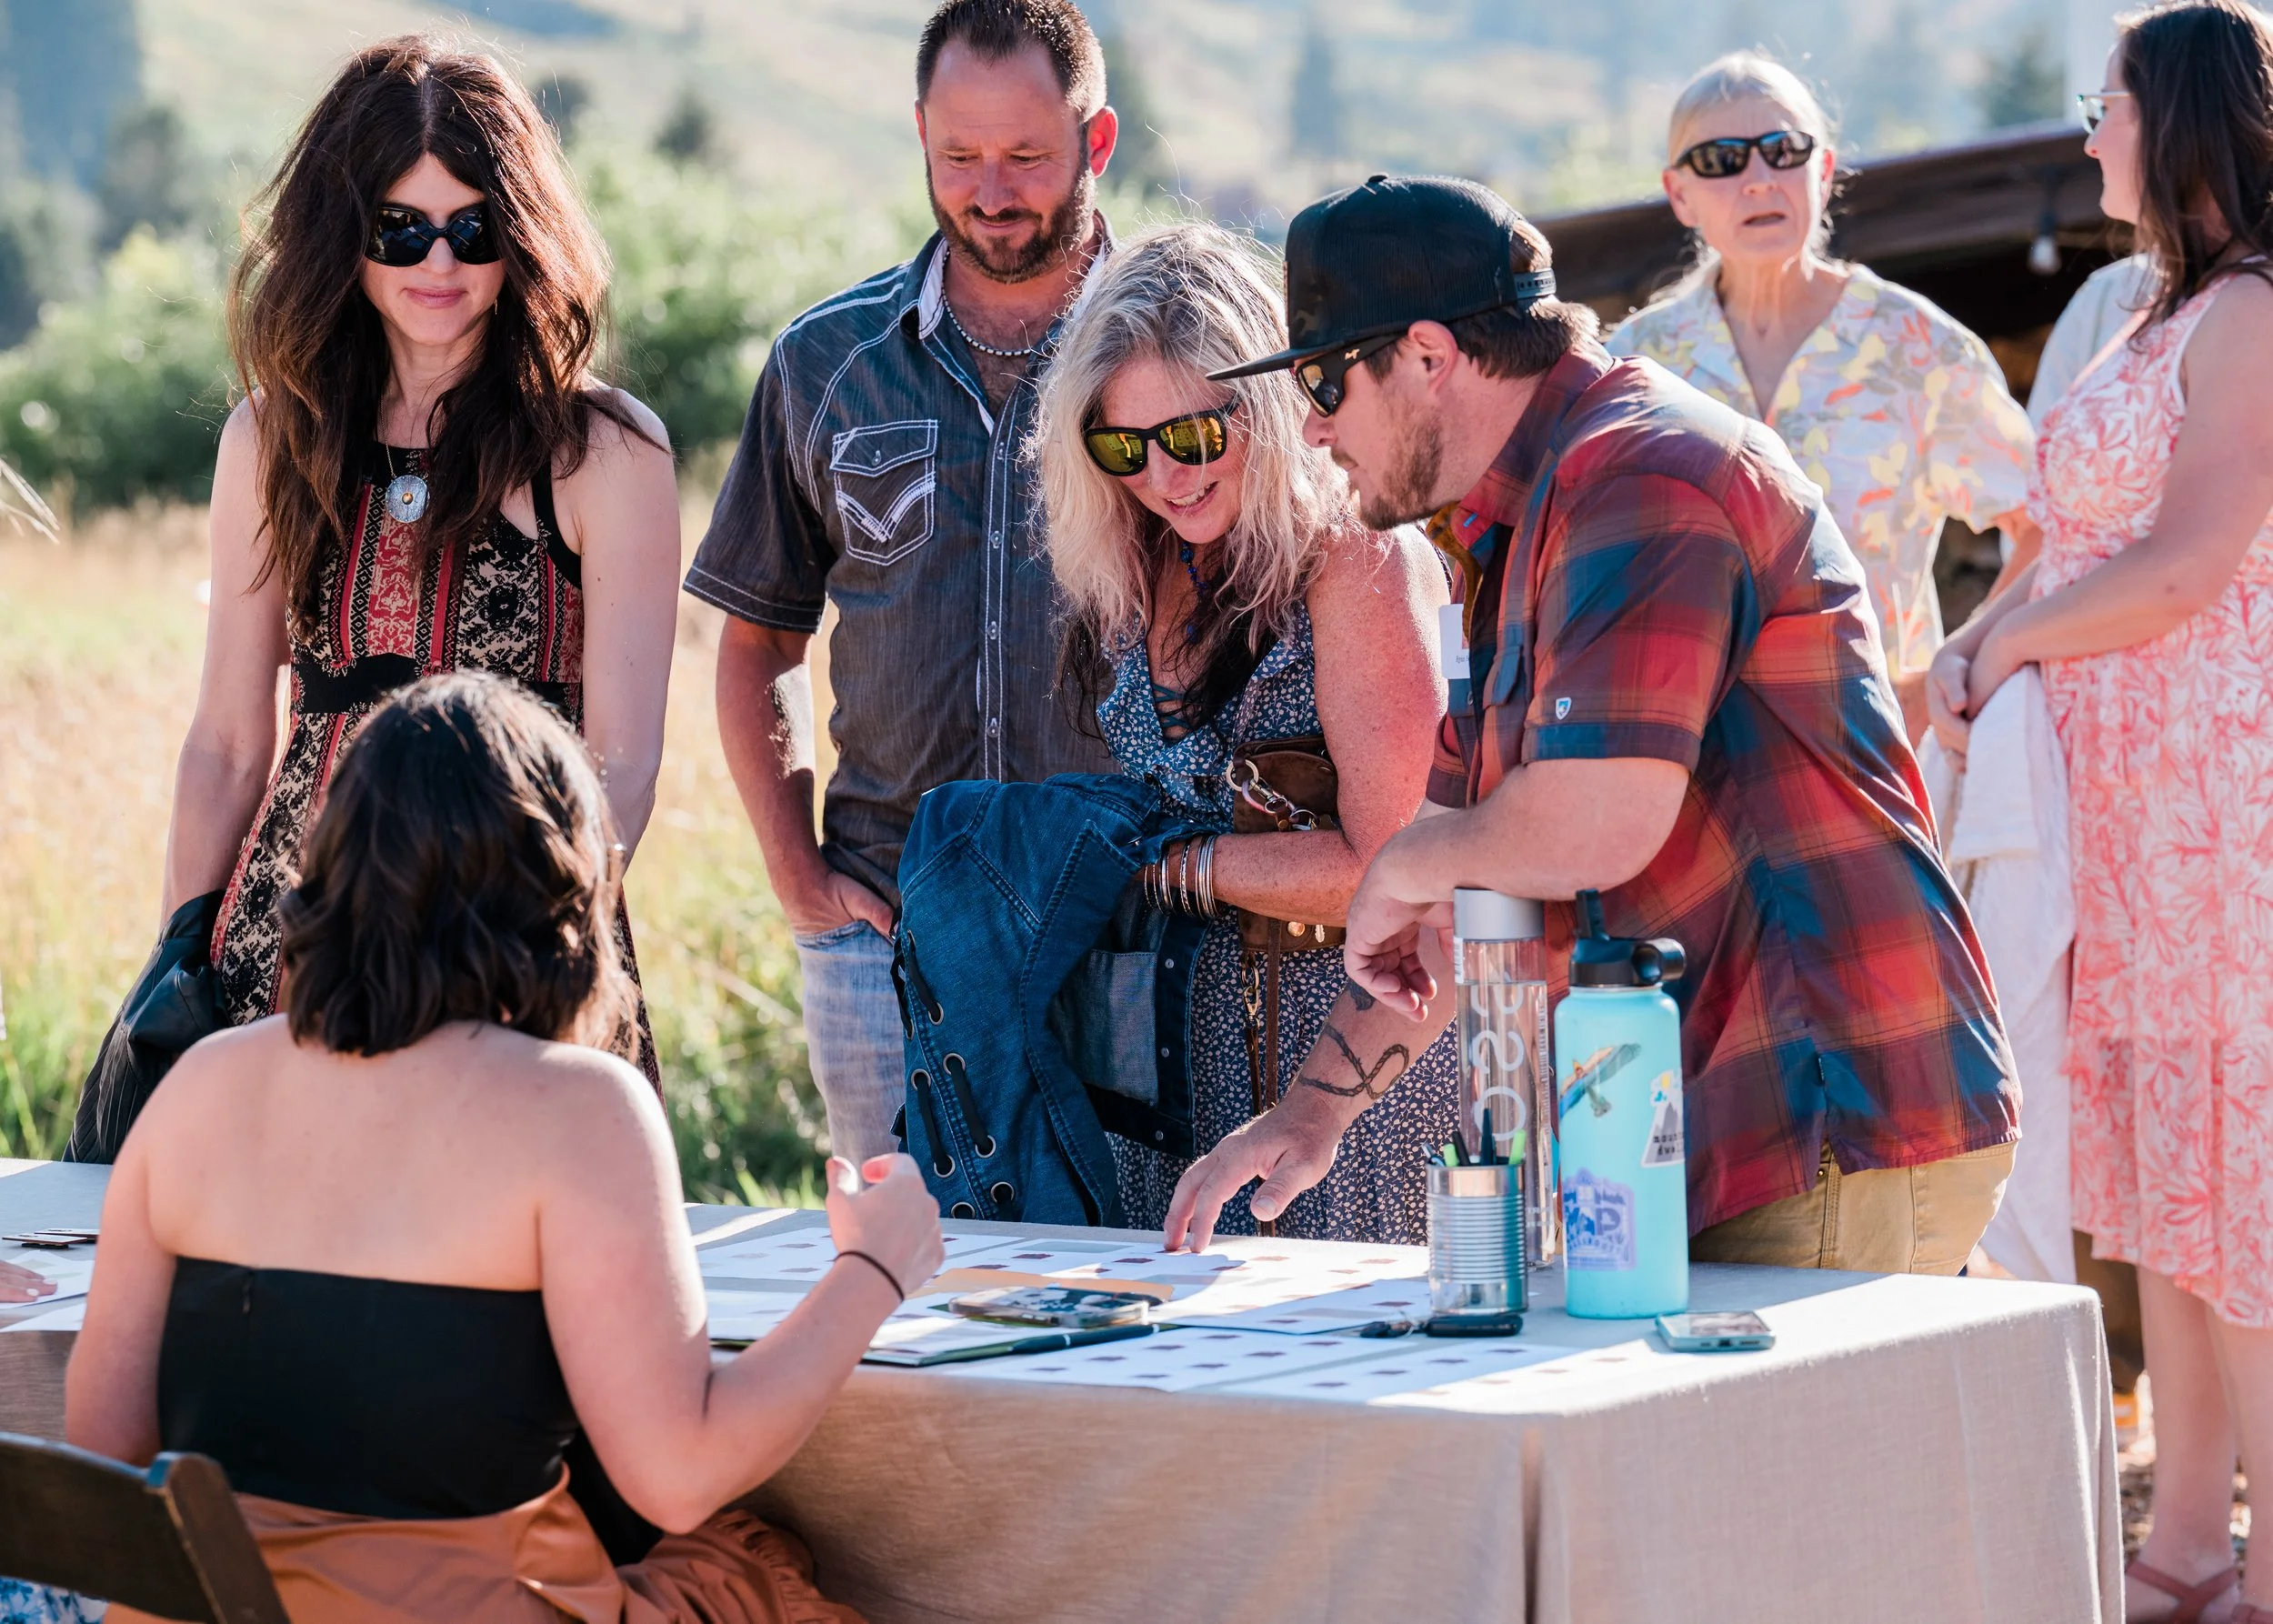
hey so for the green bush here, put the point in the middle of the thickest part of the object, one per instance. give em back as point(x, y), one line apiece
point(706, 274)
point(121, 396)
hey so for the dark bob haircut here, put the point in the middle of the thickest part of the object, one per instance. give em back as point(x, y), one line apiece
point(2203, 75)
point(463, 868)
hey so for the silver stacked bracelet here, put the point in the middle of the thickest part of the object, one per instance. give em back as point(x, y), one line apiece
point(1184, 881)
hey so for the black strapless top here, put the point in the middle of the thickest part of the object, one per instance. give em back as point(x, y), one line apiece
point(371, 1398)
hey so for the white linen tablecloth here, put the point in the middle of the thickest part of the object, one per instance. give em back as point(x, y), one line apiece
point(1912, 1449)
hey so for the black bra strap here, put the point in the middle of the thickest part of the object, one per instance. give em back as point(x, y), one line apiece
point(541, 493)
point(564, 558)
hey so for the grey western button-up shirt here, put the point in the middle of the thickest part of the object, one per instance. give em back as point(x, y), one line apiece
point(871, 472)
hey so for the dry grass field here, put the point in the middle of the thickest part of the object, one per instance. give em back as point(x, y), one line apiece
point(100, 639)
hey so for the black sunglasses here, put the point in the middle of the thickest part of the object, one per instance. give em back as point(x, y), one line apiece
point(1731, 154)
point(1193, 440)
point(403, 237)
point(1322, 376)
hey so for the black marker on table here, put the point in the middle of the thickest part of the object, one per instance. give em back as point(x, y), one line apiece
point(1047, 1342)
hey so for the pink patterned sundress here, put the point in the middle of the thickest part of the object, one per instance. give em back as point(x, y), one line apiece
point(2170, 747)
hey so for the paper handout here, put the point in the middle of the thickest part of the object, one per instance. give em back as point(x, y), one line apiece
point(746, 1315)
point(67, 1318)
point(71, 1272)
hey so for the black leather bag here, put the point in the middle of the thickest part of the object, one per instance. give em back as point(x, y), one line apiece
point(172, 1005)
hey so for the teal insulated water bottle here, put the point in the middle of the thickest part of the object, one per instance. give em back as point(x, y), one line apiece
point(1626, 1189)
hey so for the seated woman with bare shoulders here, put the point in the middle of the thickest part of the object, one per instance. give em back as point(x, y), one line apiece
point(385, 1254)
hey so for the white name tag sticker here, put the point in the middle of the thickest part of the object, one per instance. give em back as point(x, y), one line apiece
point(1452, 644)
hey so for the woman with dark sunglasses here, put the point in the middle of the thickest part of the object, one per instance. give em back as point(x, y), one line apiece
point(1221, 596)
point(1897, 411)
point(423, 475)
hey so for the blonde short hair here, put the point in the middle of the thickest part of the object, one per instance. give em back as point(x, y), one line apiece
point(1195, 297)
point(1734, 77)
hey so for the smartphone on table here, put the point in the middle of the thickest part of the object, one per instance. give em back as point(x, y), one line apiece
point(1071, 1307)
point(1741, 1331)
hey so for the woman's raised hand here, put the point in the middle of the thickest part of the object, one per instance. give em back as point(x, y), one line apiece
point(882, 1209)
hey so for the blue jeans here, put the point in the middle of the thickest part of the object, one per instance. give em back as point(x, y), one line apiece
point(853, 1037)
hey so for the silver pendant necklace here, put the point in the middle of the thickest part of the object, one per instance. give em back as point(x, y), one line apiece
point(405, 495)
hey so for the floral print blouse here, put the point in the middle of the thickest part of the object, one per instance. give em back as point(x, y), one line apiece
point(1899, 414)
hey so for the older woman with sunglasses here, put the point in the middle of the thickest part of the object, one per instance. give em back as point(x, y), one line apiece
point(1898, 412)
point(1223, 598)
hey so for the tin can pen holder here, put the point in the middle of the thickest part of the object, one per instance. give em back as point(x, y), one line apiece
point(1477, 1279)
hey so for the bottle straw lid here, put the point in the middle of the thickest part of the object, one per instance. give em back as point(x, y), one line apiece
point(1597, 958)
point(1480, 916)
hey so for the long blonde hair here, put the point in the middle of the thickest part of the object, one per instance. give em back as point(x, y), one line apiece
point(1192, 296)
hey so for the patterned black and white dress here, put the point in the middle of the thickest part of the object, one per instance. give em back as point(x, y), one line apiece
point(1377, 1189)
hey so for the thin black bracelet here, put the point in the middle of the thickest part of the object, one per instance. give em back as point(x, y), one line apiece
point(879, 1268)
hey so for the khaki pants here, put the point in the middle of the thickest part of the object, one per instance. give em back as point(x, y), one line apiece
point(1919, 1220)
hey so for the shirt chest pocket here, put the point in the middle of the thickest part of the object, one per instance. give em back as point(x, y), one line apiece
point(884, 478)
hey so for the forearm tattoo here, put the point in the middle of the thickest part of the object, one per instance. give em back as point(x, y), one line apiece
point(1372, 1082)
point(1361, 998)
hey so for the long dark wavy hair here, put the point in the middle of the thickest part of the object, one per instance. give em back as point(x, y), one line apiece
point(305, 337)
point(2202, 73)
point(464, 868)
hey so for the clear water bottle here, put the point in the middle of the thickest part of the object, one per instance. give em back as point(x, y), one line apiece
point(1506, 1078)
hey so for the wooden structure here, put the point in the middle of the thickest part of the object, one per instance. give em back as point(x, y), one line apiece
point(169, 1541)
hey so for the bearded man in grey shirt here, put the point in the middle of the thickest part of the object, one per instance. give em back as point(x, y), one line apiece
point(879, 469)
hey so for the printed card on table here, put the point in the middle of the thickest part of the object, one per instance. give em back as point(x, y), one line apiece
point(807, 1254)
point(1309, 1316)
point(1173, 1362)
point(1413, 1365)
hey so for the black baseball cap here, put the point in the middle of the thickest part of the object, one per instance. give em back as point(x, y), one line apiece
point(1377, 258)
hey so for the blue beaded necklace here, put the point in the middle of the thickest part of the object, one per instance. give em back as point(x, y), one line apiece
point(1205, 589)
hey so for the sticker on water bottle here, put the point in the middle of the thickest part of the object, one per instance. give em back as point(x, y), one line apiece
point(1597, 1223)
point(1668, 1145)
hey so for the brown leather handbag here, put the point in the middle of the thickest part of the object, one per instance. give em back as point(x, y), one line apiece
point(1280, 785)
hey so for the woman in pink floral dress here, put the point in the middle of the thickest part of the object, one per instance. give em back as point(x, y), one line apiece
point(2151, 616)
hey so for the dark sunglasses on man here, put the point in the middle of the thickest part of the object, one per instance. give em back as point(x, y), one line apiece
point(1195, 438)
point(403, 237)
point(1323, 377)
point(1730, 155)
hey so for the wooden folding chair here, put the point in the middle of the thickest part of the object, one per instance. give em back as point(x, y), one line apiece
point(169, 1541)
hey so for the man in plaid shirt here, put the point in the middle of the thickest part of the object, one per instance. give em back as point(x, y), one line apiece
point(1676, 697)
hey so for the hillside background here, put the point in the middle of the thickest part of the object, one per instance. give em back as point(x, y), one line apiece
point(1258, 104)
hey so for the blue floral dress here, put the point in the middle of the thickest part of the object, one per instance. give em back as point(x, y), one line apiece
point(1377, 1189)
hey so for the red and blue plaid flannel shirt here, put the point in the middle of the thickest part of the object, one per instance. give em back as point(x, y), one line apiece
point(1660, 580)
